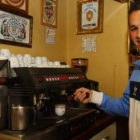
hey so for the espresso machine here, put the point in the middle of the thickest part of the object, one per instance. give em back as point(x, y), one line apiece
point(4, 65)
point(35, 92)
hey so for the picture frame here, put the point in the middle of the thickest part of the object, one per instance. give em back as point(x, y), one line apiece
point(89, 16)
point(21, 5)
point(49, 13)
point(15, 28)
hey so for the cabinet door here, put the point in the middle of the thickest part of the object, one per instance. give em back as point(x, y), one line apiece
point(122, 132)
point(108, 133)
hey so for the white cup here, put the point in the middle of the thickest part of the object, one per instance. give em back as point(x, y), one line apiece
point(12, 54)
point(14, 62)
point(2, 57)
point(20, 57)
point(27, 59)
point(56, 63)
point(44, 60)
point(60, 109)
point(21, 64)
point(38, 60)
point(5, 52)
point(50, 63)
point(33, 60)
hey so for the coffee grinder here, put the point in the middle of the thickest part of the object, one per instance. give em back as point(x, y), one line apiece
point(82, 63)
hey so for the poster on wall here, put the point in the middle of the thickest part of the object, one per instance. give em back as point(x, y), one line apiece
point(50, 36)
point(89, 44)
point(19, 5)
point(49, 13)
point(89, 16)
point(15, 28)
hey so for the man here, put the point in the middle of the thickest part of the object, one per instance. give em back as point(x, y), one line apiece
point(129, 104)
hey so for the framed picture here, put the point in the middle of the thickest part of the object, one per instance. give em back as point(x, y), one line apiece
point(15, 28)
point(19, 5)
point(89, 16)
point(49, 13)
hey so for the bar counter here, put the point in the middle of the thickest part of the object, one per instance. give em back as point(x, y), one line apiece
point(98, 125)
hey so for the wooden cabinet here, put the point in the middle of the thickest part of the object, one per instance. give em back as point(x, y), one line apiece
point(99, 125)
point(122, 131)
point(108, 133)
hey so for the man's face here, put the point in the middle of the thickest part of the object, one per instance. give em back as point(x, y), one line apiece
point(134, 26)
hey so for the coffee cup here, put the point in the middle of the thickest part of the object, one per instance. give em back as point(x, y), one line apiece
point(2, 57)
point(14, 62)
point(27, 59)
point(60, 109)
point(44, 60)
point(38, 60)
point(20, 57)
point(21, 64)
point(33, 60)
point(56, 63)
point(50, 63)
point(5, 52)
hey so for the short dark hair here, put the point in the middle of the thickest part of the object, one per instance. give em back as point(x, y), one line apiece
point(135, 6)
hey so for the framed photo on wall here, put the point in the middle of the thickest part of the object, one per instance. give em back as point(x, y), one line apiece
point(19, 5)
point(49, 13)
point(15, 28)
point(89, 16)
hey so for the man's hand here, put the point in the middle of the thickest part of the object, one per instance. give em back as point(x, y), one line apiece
point(83, 95)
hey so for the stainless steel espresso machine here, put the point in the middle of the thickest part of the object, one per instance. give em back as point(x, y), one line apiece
point(32, 93)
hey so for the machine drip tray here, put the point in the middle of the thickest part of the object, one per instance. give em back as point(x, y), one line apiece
point(70, 112)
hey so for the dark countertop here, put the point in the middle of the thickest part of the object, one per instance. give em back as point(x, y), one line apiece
point(98, 125)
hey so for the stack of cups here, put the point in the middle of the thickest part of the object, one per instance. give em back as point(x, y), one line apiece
point(14, 62)
point(27, 59)
point(38, 61)
point(44, 61)
point(20, 58)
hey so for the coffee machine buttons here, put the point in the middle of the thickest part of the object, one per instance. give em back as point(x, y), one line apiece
point(52, 79)
point(61, 78)
point(75, 77)
point(40, 79)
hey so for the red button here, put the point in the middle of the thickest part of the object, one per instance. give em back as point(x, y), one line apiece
point(40, 79)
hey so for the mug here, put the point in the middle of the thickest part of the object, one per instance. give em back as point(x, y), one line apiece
point(38, 60)
point(14, 62)
point(60, 109)
point(44, 60)
point(50, 63)
point(21, 64)
point(5, 52)
point(2, 57)
point(56, 63)
point(27, 59)
point(20, 117)
point(33, 60)
point(20, 57)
